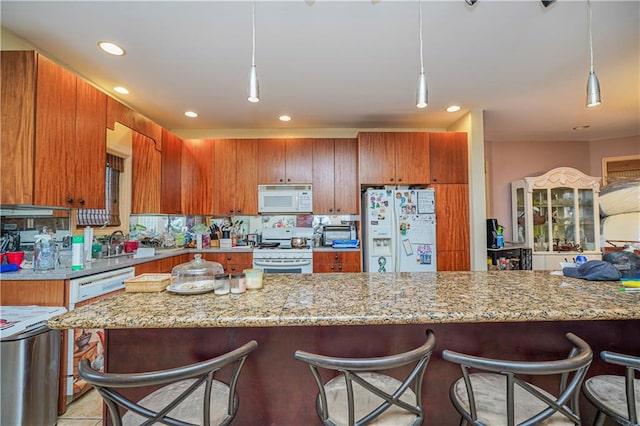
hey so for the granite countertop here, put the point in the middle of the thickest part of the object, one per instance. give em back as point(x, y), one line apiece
point(104, 265)
point(368, 299)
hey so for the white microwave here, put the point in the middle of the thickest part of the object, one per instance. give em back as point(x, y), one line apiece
point(285, 199)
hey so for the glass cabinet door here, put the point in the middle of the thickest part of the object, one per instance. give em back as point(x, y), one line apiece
point(587, 233)
point(521, 215)
point(540, 217)
point(563, 217)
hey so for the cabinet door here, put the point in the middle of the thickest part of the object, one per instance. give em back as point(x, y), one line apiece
point(17, 129)
point(452, 230)
point(90, 149)
point(376, 155)
point(171, 173)
point(412, 157)
point(246, 194)
point(298, 160)
point(449, 160)
point(54, 172)
point(197, 176)
point(323, 176)
point(224, 176)
point(146, 180)
point(346, 189)
point(271, 161)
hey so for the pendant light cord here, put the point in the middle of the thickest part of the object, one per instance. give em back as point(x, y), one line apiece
point(590, 37)
point(420, 20)
point(253, 28)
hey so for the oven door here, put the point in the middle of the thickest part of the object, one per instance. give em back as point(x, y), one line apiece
point(284, 266)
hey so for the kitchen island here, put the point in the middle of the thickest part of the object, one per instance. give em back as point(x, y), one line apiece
point(519, 314)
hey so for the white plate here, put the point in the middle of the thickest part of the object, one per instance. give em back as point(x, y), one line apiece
point(180, 289)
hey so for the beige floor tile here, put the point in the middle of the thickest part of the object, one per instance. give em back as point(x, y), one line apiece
point(88, 406)
point(78, 422)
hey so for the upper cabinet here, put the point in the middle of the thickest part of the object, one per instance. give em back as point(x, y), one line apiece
point(557, 212)
point(197, 176)
point(335, 183)
point(448, 157)
point(394, 158)
point(235, 182)
point(146, 180)
point(285, 161)
point(53, 142)
point(171, 181)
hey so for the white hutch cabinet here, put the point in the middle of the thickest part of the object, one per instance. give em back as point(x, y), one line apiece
point(557, 215)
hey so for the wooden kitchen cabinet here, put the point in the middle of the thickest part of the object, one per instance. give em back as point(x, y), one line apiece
point(337, 261)
point(197, 176)
point(146, 180)
point(171, 181)
point(452, 230)
point(393, 158)
point(335, 182)
point(233, 263)
point(235, 176)
point(448, 157)
point(285, 161)
point(53, 141)
point(162, 266)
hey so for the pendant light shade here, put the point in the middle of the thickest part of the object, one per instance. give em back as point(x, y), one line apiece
point(254, 87)
point(593, 85)
point(422, 95)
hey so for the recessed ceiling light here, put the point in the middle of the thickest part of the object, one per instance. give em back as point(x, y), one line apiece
point(453, 108)
point(111, 48)
point(121, 90)
point(585, 127)
point(284, 117)
point(191, 114)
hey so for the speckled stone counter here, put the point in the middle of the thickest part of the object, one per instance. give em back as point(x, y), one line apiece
point(367, 299)
point(515, 315)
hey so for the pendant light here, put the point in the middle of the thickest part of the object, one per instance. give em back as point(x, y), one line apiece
point(254, 88)
point(422, 94)
point(593, 86)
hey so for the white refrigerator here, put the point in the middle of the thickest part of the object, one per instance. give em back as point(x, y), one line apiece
point(399, 230)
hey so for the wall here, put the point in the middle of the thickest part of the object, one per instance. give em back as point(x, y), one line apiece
point(611, 148)
point(508, 161)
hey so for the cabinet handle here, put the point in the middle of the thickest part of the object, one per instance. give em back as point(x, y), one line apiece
point(434, 179)
point(333, 267)
point(288, 179)
point(281, 180)
point(340, 266)
point(338, 210)
point(391, 180)
point(233, 268)
point(228, 257)
point(330, 210)
point(69, 200)
point(399, 179)
point(335, 257)
point(81, 201)
point(230, 210)
point(239, 210)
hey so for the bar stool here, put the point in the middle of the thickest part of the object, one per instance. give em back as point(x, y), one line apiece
point(616, 397)
point(360, 395)
point(499, 394)
point(189, 394)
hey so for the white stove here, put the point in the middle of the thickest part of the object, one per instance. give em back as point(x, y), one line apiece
point(275, 254)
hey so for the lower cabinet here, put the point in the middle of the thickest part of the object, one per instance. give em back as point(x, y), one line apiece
point(162, 266)
point(233, 263)
point(337, 261)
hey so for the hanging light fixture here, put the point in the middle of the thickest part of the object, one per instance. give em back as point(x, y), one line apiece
point(593, 86)
point(254, 88)
point(422, 95)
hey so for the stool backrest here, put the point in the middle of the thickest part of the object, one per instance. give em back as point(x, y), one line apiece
point(632, 365)
point(354, 369)
point(107, 384)
point(571, 372)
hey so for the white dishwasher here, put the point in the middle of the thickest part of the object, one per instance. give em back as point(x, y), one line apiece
point(89, 343)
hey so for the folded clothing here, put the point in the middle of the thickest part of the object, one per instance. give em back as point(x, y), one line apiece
point(9, 267)
point(594, 270)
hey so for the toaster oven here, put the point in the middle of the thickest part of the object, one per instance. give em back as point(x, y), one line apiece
point(331, 233)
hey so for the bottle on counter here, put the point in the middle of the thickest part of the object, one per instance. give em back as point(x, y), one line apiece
point(237, 283)
point(45, 253)
point(77, 252)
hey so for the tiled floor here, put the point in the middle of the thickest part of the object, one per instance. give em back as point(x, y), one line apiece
point(85, 411)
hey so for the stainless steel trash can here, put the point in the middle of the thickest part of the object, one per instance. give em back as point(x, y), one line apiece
point(29, 376)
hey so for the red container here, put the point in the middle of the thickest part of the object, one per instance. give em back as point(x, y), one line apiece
point(15, 257)
point(130, 246)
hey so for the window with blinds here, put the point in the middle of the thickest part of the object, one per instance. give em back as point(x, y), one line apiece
point(109, 216)
point(620, 169)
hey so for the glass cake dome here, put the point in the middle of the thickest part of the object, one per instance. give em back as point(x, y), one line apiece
point(199, 271)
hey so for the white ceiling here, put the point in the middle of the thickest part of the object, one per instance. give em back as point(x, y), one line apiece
point(353, 64)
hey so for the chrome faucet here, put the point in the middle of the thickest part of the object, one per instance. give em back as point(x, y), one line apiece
point(119, 244)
